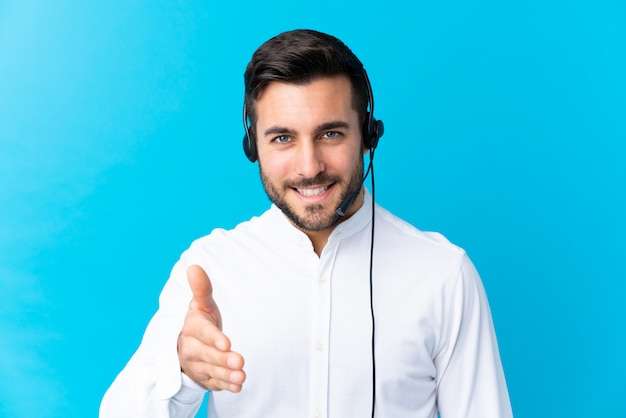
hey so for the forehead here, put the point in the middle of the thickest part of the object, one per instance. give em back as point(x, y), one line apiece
point(321, 97)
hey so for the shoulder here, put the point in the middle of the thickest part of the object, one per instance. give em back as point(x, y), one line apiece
point(434, 267)
point(253, 228)
point(422, 257)
point(397, 232)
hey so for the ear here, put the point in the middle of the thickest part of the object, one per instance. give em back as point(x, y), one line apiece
point(365, 150)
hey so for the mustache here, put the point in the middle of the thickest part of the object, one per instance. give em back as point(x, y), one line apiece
point(313, 181)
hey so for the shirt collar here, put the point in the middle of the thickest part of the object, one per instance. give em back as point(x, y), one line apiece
point(359, 220)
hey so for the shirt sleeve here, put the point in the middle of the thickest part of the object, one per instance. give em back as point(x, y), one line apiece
point(152, 385)
point(470, 379)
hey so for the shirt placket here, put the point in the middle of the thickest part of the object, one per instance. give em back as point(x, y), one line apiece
point(321, 345)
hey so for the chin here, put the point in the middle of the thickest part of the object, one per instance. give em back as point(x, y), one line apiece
point(312, 218)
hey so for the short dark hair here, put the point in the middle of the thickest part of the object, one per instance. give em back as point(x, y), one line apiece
point(300, 57)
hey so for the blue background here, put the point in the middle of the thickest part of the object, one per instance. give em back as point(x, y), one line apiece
point(120, 143)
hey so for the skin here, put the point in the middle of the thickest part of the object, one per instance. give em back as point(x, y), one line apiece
point(310, 157)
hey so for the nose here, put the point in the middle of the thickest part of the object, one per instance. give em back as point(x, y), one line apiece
point(310, 161)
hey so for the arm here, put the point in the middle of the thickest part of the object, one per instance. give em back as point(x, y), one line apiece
point(469, 371)
point(152, 384)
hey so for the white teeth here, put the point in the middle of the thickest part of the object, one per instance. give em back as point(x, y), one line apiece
point(313, 192)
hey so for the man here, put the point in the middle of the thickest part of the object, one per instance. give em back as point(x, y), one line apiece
point(326, 321)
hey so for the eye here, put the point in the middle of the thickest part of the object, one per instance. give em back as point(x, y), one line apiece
point(331, 134)
point(281, 139)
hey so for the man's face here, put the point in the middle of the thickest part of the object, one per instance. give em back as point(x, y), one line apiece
point(310, 149)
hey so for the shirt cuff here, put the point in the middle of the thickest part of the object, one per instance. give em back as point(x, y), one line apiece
point(171, 382)
point(189, 391)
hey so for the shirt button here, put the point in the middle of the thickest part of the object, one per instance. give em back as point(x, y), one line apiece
point(323, 279)
point(317, 414)
point(319, 346)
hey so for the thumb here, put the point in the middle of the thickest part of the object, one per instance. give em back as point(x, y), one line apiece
point(202, 291)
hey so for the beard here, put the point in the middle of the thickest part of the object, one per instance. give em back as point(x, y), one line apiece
point(314, 217)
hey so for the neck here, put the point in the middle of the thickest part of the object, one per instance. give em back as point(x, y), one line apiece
point(319, 239)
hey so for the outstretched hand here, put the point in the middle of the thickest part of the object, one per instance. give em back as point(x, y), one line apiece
point(204, 352)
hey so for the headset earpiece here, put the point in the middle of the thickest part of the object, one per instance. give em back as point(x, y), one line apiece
point(372, 131)
point(249, 147)
point(249, 141)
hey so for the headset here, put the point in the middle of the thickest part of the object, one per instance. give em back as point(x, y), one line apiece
point(372, 130)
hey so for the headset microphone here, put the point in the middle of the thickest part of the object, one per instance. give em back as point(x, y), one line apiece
point(347, 202)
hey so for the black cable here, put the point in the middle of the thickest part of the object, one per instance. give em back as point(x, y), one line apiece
point(372, 288)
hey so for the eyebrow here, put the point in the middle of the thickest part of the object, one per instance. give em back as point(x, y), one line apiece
point(333, 125)
point(275, 130)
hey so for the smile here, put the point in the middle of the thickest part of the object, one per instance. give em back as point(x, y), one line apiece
point(313, 192)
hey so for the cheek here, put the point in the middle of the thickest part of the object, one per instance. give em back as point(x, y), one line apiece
point(276, 167)
point(349, 161)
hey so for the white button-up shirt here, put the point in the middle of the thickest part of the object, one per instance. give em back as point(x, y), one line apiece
point(302, 324)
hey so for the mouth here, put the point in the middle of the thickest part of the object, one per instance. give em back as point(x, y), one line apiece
point(313, 191)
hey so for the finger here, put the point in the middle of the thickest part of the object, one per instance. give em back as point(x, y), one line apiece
point(210, 367)
point(225, 359)
point(233, 384)
point(196, 350)
point(221, 378)
point(202, 292)
point(200, 326)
